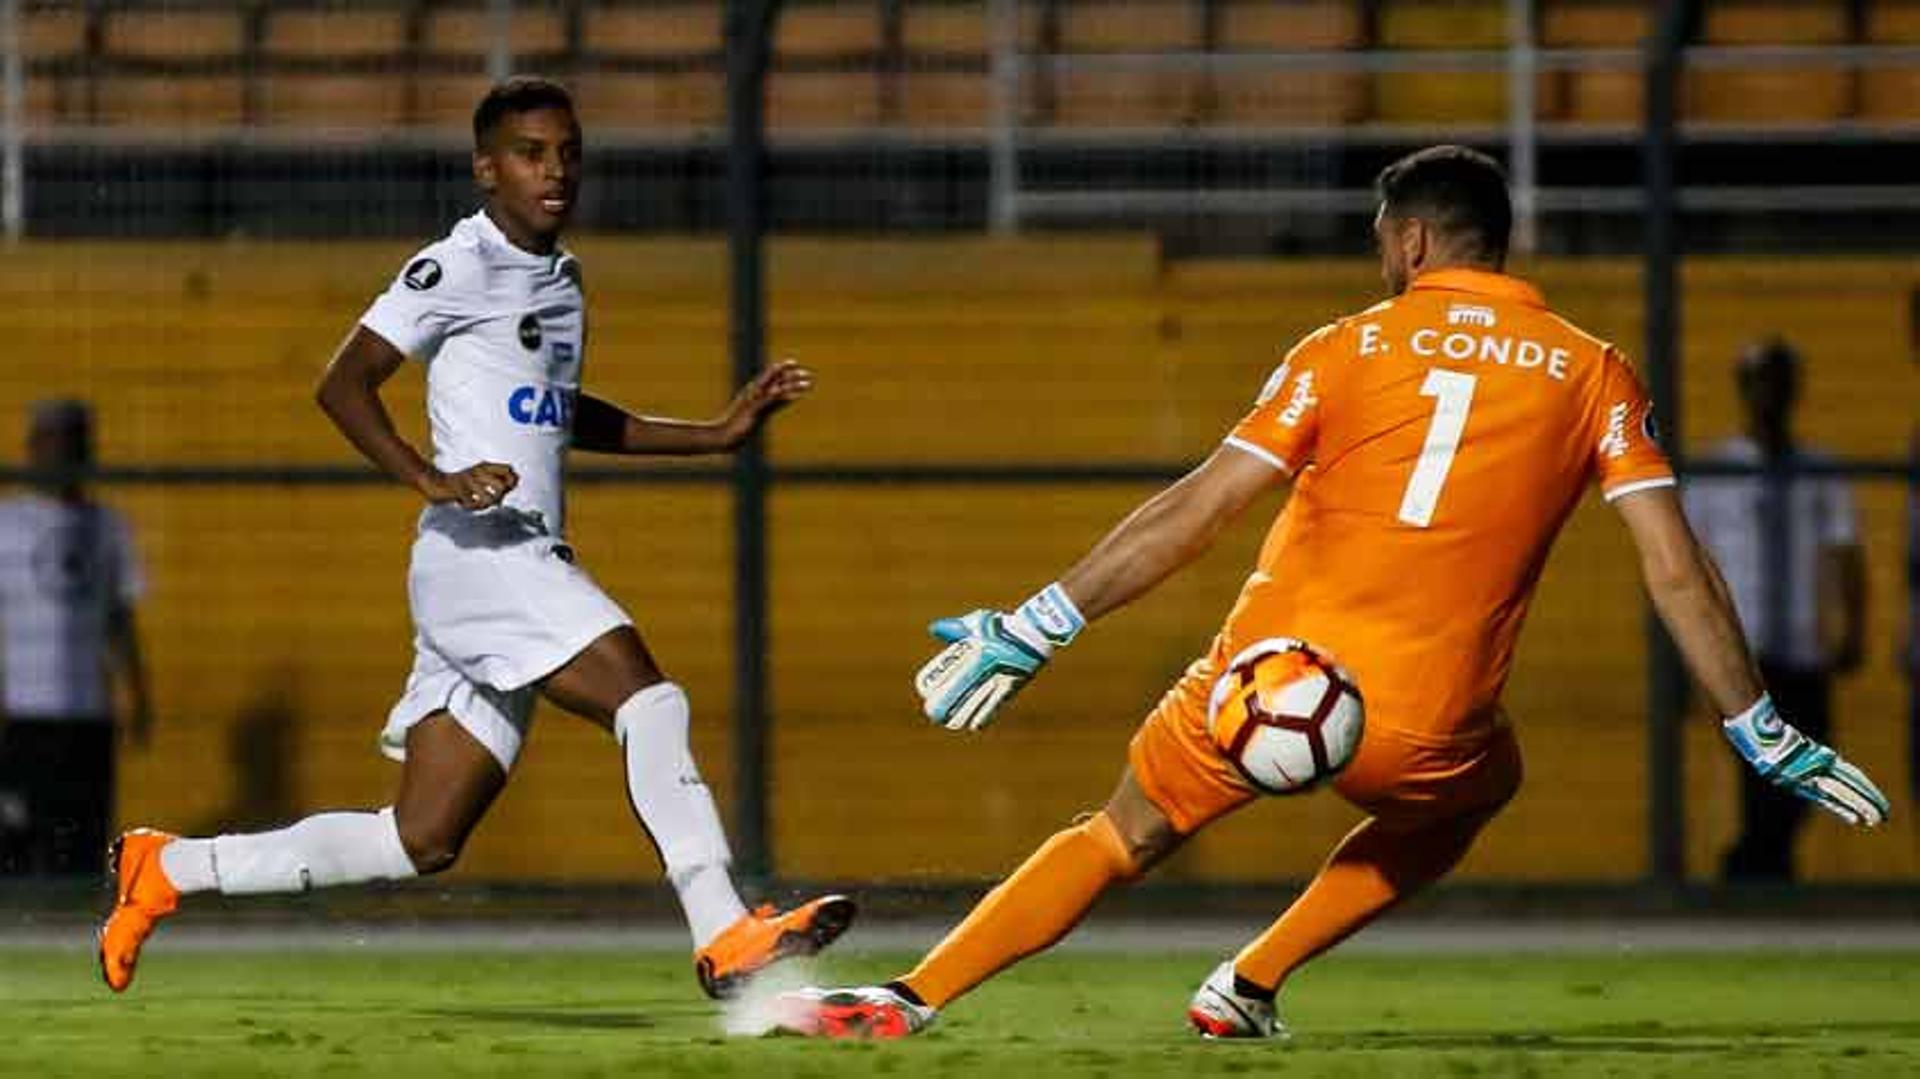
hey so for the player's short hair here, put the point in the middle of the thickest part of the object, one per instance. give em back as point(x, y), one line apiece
point(522, 93)
point(1459, 191)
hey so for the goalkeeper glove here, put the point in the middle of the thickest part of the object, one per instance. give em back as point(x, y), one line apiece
point(1786, 758)
point(990, 655)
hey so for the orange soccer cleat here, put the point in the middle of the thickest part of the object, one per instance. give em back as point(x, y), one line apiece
point(143, 896)
point(765, 936)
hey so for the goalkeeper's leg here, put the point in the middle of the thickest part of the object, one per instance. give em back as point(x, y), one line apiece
point(1427, 811)
point(1173, 785)
point(1046, 897)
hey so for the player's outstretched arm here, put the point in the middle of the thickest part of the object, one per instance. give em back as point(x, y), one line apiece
point(1692, 600)
point(990, 655)
point(602, 427)
point(349, 393)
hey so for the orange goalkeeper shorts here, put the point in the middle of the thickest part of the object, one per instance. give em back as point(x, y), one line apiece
point(1405, 780)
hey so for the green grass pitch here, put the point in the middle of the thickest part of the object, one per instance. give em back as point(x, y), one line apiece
point(419, 1015)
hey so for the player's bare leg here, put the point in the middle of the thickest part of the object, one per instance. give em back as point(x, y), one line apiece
point(448, 781)
point(615, 683)
point(1028, 912)
point(447, 784)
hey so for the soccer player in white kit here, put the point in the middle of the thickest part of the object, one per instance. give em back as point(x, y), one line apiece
point(501, 613)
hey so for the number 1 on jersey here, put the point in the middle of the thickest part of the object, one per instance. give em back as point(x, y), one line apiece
point(1454, 392)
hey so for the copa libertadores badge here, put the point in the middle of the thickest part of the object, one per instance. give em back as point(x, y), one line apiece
point(530, 332)
point(422, 275)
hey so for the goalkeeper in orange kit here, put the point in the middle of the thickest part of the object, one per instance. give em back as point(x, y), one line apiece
point(1436, 443)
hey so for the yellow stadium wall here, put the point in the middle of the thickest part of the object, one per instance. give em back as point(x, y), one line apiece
point(276, 619)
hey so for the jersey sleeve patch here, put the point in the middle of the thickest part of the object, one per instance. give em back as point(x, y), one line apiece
point(1284, 422)
point(424, 301)
point(1626, 449)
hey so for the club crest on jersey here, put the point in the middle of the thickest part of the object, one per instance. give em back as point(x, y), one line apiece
point(1467, 314)
point(422, 274)
point(541, 406)
point(530, 332)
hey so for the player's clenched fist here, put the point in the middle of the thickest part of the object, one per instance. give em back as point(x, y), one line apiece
point(473, 489)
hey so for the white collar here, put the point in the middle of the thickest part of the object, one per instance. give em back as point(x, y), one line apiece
point(490, 233)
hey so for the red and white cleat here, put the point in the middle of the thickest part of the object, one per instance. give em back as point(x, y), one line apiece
point(870, 1013)
point(1217, 1011)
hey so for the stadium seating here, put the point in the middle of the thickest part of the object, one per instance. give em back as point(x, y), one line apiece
point(59, 37)
point(1148, 97)
point(825, 68)
point(1286, 99)
point(943, 80)
point(1611, 96)
point(454, 54)
point(677, 84)
point(1772, 95)
point(1891, 94)
point(655, 66)
point(296, 87)
point(535, 33)
point(204, 89)
point(1429, 98)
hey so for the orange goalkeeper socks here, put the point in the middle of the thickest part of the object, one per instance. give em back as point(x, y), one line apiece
point(1028, 912)
point(1371, 870)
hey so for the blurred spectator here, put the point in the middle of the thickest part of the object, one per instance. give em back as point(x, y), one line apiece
point(1789, 546)
point(68, 582)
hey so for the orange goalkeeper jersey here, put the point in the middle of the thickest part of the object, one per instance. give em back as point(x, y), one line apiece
point(1438, 442)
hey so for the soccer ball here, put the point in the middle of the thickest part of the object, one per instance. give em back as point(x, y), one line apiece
point(1286, 715)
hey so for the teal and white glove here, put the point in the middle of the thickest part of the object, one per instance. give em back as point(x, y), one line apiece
point(1785, 757)
point(990, 655)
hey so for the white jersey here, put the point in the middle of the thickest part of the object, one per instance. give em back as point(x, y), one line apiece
point(62, 569)
point(501, 331)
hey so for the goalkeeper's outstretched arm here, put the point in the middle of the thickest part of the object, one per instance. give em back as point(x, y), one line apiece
point(1168, 531)
point(991, 654)
point(1692, 600)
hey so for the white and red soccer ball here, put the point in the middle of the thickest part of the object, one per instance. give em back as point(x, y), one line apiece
point(1286, 715)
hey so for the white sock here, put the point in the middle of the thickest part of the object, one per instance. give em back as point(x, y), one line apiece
point(676, 809)
point(319, 852)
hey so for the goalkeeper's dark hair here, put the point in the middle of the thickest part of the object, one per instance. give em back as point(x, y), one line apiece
point(521, 93)
point(1460, 192)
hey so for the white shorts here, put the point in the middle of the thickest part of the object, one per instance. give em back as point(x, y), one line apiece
point(488, 623)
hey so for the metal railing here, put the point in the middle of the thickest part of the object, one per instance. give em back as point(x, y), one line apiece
point(1010, 68)
point(1012, 203)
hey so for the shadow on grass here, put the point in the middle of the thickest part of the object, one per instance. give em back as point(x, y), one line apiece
point(570, 1019)
point(1649, 1037)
